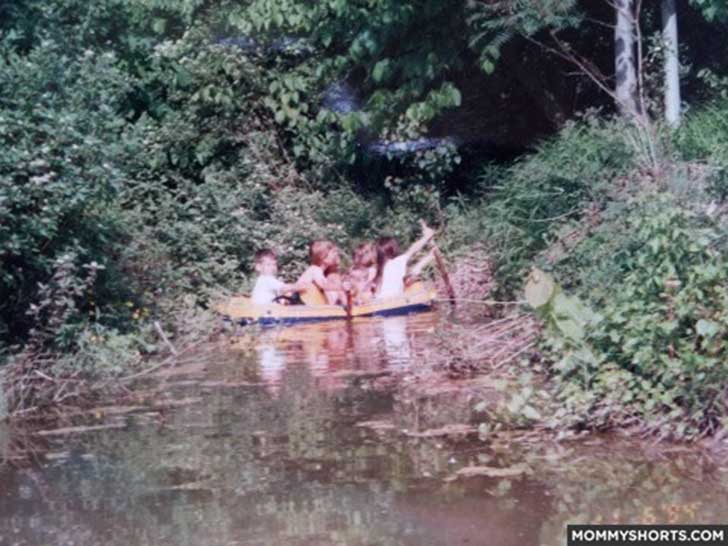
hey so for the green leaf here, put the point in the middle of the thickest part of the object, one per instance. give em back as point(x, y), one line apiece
point(707, 328)
point(570, 328)
point(159, 25)
point(381, 70)
point(457, 98)
point(488, 66)
point(540, 288)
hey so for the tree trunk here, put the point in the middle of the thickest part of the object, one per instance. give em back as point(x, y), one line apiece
point(672, 68)
point(625, 62)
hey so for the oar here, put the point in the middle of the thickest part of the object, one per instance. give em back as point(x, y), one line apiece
point(349, 303)
point(440, 263)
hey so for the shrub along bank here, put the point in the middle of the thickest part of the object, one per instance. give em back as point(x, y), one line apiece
point(637, 316)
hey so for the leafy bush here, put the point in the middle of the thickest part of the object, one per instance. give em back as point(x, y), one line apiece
point(589, 259)
point(168, 183)
point(655, 351)
point(60, 169)
point(214, 183)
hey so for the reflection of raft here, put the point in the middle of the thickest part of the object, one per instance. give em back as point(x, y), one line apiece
point(240, 309)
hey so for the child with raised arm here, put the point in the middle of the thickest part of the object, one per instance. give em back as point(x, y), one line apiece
point(324, 256)
point(392, 266)
point(267, 286)
point(413, 273)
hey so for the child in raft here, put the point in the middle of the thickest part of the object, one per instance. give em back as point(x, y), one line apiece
point(392, 266)
point(334, 277)
point(363, 272)
point(267, 286)
point(323, 272)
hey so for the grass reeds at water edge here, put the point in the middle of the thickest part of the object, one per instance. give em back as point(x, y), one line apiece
point(40, 383)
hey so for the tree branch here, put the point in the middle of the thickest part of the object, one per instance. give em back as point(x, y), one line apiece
point(586, 67)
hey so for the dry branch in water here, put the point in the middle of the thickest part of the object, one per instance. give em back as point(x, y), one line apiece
point(38, 382)
point(471, 348)
point(468, 349)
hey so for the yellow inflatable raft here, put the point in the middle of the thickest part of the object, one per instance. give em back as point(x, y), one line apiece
point(240, 309)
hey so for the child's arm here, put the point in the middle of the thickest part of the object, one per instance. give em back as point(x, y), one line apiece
point(427, 234)
point(314, 276)
point(295, 287)
point(327, 285)
point(422, 263)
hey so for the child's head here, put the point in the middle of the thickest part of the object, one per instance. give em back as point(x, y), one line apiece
point(333, 260)
point(365, 255)
point(358, 275)
point(322, 253)
point(387, 248)
point(266, 262)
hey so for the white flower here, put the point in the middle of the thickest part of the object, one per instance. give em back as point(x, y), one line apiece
point(44, 179)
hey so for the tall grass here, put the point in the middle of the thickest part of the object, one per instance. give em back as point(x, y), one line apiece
point(521, 206)
point(703, 139)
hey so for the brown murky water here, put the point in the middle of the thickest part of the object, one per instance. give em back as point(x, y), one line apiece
point(271, 454)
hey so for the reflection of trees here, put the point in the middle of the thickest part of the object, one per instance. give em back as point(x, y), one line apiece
point(625, 485)
point(256, 467)
point(243, 466)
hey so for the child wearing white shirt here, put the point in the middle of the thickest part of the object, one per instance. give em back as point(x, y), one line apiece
point(267, 286)
point(392, 266)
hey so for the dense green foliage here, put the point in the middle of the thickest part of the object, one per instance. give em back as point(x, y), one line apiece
point(652, 350)
point(152, 166)
point(401, 69)
point(643, 256)
point(702, 141)
point(151, 147)
point(58, 175)
point(712, 9)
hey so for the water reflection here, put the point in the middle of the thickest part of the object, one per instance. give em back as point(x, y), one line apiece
point(397, 344)
point(334, 351)
point(284, 463)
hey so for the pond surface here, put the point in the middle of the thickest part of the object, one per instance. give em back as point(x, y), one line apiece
point(301, 436)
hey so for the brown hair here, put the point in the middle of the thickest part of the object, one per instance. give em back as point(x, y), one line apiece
point(263, 254)
point(387, 248)
point(318, 250)
point(365, 255)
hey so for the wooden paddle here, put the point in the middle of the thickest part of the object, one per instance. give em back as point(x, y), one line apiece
point(349, 302)
point(440, 263)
